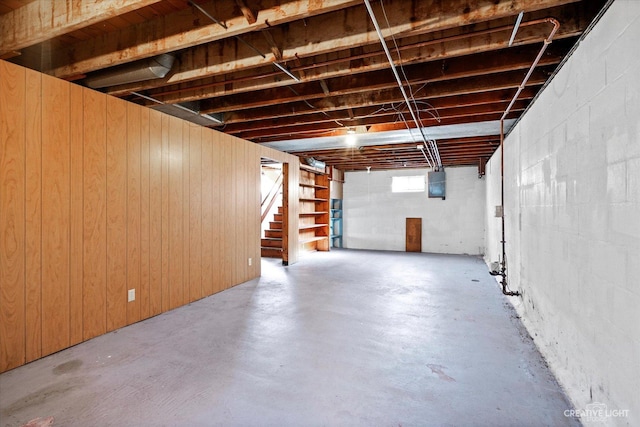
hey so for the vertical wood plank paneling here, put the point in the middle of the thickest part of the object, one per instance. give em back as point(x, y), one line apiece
point(244, 222)
point(12, 226)
point(253, 203)
point(165, 204)
point(76, 212)
point(145, 214)
point(162, 206)
point(176, 213)
point(116, 213)
point(207, 212)
point(186, 208)
point(56, 187)
point(238, 212)
point(133, 210)
point(155, 212)
point(95, 215)
point(227, 247)
point(33, 218)
point(195, 212)
point(216, 211)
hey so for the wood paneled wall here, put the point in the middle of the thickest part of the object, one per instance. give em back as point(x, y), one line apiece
point(99, 196)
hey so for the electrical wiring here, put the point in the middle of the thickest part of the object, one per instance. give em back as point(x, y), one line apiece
point(429, 144)
point(316, 108)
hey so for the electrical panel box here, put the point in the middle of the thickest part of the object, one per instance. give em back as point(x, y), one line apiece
point(437, 186)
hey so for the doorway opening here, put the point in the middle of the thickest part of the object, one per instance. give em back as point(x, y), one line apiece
point(272, 209)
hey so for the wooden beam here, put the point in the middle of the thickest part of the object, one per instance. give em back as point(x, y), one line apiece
point(428, 43)
point(176, 31)
point(273, 46)
point(461, 104)
point(446, 115)
point(455, 68)
point(328, 131)
point(474, 84)
point(249, 15)
point(303, 112)
point(39, 21)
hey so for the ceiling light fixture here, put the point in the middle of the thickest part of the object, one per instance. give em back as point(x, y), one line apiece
point(351, 139)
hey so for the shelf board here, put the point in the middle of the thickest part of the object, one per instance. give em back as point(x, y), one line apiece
point(313, 239)
point(312, 213)
point(322, 187)
point(312, 226)
point(312, 199)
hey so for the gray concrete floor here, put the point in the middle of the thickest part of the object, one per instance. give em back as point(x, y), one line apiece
point(355, 338)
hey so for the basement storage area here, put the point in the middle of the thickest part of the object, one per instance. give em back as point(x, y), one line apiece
point(371, 212)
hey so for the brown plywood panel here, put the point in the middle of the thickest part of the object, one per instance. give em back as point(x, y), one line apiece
point(240, 182)
point(250, 185)
point(165, 190)
point(217, 212)
point(176, 212)
point(256, 211)
point(12, 214)
point(55, 203)
point(116, 213)
point(413, 235)
point(145, 215)
point(155, 213)
point(237, 210)
point(186, 232)
point(133, 211)
point(227, 200)
point(33, 218)
point(207, 213)
point(76, 214)
point(253, 214)
point(195, 212)
point(95, 215)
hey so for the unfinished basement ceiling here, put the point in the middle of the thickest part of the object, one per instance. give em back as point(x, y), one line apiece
point(298, 75)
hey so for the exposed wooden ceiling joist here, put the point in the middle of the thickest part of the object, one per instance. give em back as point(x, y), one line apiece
point(181, 30)
point(39, 21)
point(318, 36)
point(332, 73)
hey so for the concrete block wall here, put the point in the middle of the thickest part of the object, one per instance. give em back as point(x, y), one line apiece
point(374, 217)
point(572, 211)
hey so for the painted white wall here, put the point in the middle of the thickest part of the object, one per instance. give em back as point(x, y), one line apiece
point(374, 217)
point(572, 211)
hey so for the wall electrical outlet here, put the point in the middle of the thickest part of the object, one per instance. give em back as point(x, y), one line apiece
point(131, 295)
point(250, 261)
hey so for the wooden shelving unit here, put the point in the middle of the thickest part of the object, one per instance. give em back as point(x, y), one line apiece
point(314, 210)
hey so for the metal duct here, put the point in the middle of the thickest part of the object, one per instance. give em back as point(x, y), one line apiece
point(189, 111)
point(148, 69)
point(315, 163)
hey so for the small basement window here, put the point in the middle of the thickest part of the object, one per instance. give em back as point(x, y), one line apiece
point(408, 184)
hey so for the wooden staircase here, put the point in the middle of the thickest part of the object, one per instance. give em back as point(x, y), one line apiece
point(271, 244)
